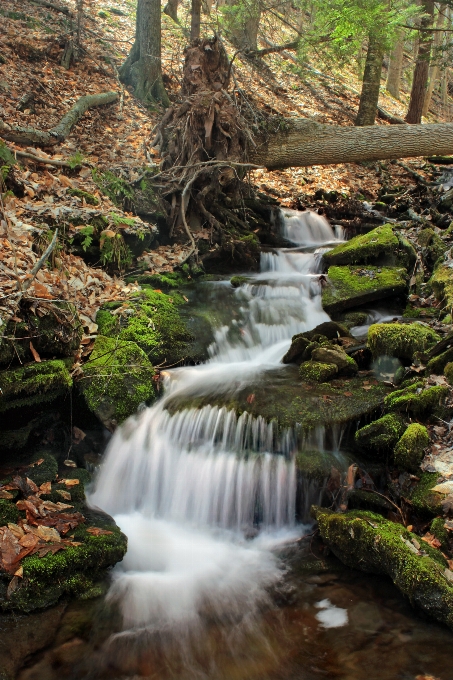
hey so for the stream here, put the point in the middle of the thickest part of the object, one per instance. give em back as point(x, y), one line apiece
point(223, 579)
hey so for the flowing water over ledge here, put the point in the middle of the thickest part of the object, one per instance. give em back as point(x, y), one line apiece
point(220, 581)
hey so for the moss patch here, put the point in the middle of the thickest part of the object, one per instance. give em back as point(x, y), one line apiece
point(442, 285)
point(417, 400)
point(381, 435)
point(426, 501)
point(117, 379)
point(33, 384)
point(409, 449)
point(89, 198)
point(379, 246)
point(448, 371)
point(316, 465)
point(314, 371)
point(400, 340)
point(351, 286)
point(437, 364)
point(365, 541)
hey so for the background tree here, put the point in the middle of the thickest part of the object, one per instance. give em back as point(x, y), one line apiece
point(396, 67)
point(143, 67)
point(421, 72)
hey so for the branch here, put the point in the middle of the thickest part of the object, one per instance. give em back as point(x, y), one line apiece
point(41, 261)
point(51, 5)
point(39, 159)
point(276, 48)
point(57, 134)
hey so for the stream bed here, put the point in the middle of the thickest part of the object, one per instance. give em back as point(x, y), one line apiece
point(224, 577)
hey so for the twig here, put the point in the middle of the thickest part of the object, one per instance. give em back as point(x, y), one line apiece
point(46, 161)
point(41, 261)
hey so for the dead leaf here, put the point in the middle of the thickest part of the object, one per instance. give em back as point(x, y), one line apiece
point(95, 531)
point(36, 356)
point(70, 482)
point(348, 394)
point(250, 399)
point(64, 494)
point(45, 488)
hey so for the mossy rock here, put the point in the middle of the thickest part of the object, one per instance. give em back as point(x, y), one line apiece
point(169, 281)
point(57, 333)
point(442, 285)
point(303, 344)
point(364, 540)
point(351, 319)
point(316, 465)
point(314, 371)
point(416, 400)
point(237, 281)
point(425, 501)
point(8, 512)
point(381, 435)
point(118, 377)
point(400, 340)
point(359, 499)
point(438, 530)
point(380, 246)
point(432, 246)
point(448, 372)
point(410, 448)
point(335, 355)
point(438, 364)
point(352, 286)
point(89, 198)
point(44, 472)
point(153, 321)
point(33, 384)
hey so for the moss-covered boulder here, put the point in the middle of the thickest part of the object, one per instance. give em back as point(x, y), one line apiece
point(380, 246)
point(381, 435)
point(410, 448)
point(400, 340)
point(448, 371)
point(118, 377)
point(54, 329)
point(426, 502)
point(442, 285)
point(352, 286)
point(314, 371)
point(433, 247)
point(152, 320)
point(417, 399)
point(303, 344)
point(438, 363)
point(316, 465)
point(33, 384)
point(364, 540)
point(337, 356)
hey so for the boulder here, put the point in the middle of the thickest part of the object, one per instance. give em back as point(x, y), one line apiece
point(366, 541)
point(400, 340)
point(296, 352)
point(433, 247)
point(33, 384)
point(381, 246)
point(116, 380)
point(381, 435)
point(442, 285)
point(314, 371)
point(335, 355)
point(417, 399)
point(353, 286)
point(410, 448)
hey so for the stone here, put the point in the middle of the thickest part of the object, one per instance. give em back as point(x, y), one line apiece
point(352, 286)
point(410, 448)
point(382, 246)
point(317, 372)
point(381, 435)
point(334, 355)
point(400, 340)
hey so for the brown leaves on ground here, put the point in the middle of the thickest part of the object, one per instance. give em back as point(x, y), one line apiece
point(43, 530)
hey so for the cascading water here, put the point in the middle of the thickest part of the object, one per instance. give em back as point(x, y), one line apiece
point(202, 494)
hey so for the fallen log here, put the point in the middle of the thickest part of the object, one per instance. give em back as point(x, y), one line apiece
point(57, 134)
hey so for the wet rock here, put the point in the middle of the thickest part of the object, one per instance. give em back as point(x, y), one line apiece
point(409, 450)
point(433, 247)
point(381, 246)
point(296, 352)
point(317, 372)
point(352, 286)
point(381, 435)
point(334, 355)
point(417, 399)
point(33, 384)
point(330, 330)
point(237, 281)
point(438, 363)
point(427, 503)
point(316, 465)
point(365, 541)
point(400, 340)
point(442, 284)
point(118, 377)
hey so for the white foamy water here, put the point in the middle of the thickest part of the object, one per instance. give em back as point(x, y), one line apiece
point(204, 495)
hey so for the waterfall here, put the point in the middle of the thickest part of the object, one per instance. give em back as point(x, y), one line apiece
point(204, 494)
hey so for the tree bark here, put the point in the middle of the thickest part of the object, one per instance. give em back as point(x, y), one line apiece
point(195, 20)
point(419, 84)
point(434, 69)
point(143, 67)
point(57, 134)
point(244, 24)
point(305, 142)
point(371, 83)
point(395, 69)
point(171, 9)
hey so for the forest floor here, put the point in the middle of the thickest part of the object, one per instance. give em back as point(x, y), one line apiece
point(117, 138)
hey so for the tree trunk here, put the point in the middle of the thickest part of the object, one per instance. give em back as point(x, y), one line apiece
point(305, 142)
point(143, 67)
point(419, 84)
point(243, 24)
point(434, 70)
point(171, 9)
point(195, 20)
point(395, 69)
point(371, 83)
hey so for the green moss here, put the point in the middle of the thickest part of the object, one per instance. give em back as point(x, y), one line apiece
point(448, 371)
point(316, 465)
point(317, 372)
point(117, 379)
point(166, 282)
point(352, 319)
point(8, 512)
point(89, 198)
point(410, 448)
point(364, 540)
point(381, 245)
point(437, 364)
point(45, 471)
point(351, 286)
point(33, 384)
point(442, 285)
point(400, 340)
point(433, 247)
point(416, 400)
point(426, 501)
point(381, 435)
point(438, 530)
point(152, 320)
point(237, 281)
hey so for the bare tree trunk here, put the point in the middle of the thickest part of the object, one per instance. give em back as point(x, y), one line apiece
point(143, 67)
point(419, 84)
point(371, 83)
point(395, 69)
point(171, 9)
point(434, 69)
point(195, 20)
point(243, 25)
point(306, 142)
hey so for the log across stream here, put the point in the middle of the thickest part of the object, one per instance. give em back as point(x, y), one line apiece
point(223, 578)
